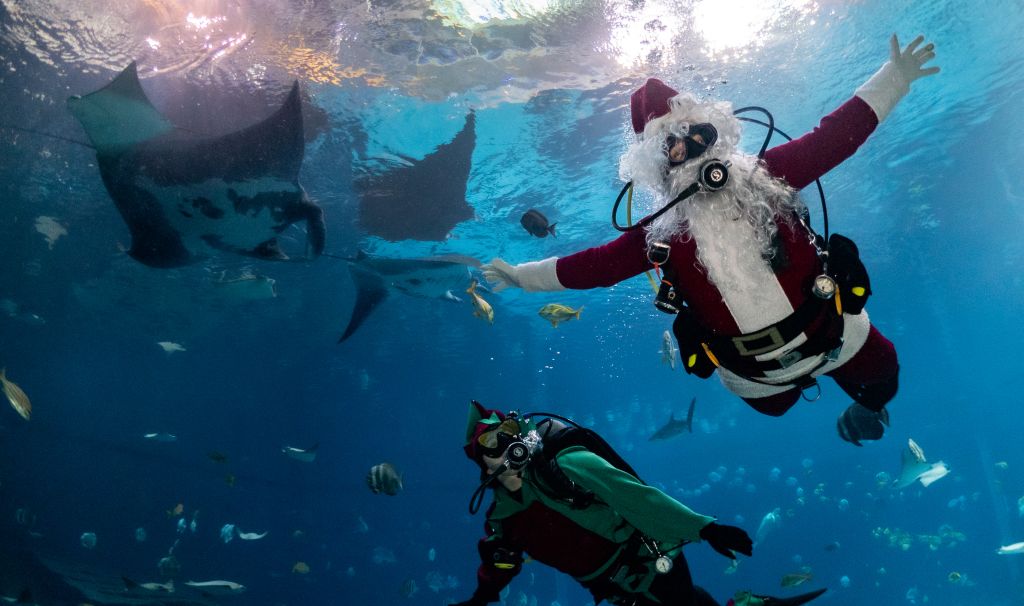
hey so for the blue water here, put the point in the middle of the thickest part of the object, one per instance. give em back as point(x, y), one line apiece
point(934, 199)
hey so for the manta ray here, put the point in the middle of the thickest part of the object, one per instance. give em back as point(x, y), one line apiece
point(421, 199)
point(375, 277)
point(182, 195)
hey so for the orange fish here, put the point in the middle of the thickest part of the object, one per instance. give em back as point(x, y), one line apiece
point(300, 568)
point(177, 511)
point(19, 401)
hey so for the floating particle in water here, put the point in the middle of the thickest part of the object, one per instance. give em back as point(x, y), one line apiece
point(791, 481)
point(88, 540)
point(844, 505)
point(807, 463)
point(227, 533)
point(775, 474)
point(140, 534)
point(844, 581)
point(714, 477)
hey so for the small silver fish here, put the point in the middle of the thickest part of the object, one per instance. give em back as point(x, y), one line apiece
point(161, 437)
point(19, 401)
point(217, 586)
point(306, 455)
point(668, 350)
point(384, 478)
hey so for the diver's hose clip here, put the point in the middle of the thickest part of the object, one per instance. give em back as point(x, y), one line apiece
point(658, 254)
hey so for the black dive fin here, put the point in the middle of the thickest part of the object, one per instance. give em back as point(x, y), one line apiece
point(796, 600)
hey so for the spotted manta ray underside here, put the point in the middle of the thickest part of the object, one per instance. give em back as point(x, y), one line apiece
point(182, 195)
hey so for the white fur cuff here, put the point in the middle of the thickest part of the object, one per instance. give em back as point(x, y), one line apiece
point(539, 276)
point(884, 89)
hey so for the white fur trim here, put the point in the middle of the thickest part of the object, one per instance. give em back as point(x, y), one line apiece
point(884, 89)
point(855, 334)
point(539, 276)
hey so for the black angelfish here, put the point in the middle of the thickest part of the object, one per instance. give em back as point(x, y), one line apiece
point(537, 224)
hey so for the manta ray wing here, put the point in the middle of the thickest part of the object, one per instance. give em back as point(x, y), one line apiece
point(424, 200)
point(234, 192)
point(370, 291)
point(430, 278)
point(119, 115)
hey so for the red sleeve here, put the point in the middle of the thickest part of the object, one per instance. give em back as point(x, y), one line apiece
point(606, 265)
point(800, 161)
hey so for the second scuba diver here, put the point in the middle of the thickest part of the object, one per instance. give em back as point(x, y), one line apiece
point(564, 497)
point(760, 298)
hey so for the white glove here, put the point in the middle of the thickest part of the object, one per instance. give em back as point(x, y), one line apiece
point(499, 275)
point(890, 83)
point(531, 277)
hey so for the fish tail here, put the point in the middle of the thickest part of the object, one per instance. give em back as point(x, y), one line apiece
point(472, 287)
point(551, 230)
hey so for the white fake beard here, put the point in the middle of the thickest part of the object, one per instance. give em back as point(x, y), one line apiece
point(734, 227)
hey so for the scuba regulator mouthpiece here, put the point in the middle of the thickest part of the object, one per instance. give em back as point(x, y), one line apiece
point(713, 175)
point(517, 455)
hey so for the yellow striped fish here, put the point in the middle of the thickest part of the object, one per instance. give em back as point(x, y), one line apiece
point(17, 398)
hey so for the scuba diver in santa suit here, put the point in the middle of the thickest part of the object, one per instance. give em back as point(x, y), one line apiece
point(563, 497)
point(760, 298)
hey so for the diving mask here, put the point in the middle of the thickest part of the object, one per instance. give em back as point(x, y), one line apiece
point(506, 441)
point(698, 139)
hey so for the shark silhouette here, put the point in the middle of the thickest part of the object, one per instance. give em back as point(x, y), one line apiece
point(182, 195)
point(375, 277)
point(421, 199)
point(675, 426)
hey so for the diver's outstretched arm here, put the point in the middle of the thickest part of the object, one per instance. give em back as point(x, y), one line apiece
point(892, 82)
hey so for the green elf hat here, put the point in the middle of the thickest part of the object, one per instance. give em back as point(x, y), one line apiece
point(480, 420)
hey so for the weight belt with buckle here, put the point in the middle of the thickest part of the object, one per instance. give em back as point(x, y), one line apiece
point(738, 353)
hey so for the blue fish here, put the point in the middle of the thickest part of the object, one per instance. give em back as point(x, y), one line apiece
point(182, 196)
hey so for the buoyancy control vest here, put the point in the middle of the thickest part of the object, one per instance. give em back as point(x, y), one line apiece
point(553, 481)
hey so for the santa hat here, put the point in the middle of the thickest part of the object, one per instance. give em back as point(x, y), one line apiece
point(650, 101)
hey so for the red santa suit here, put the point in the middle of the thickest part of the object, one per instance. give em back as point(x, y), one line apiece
point(786, 285)
point(731, 292)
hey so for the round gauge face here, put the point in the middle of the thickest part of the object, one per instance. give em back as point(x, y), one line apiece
point(824, 286)
point(663, 564)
